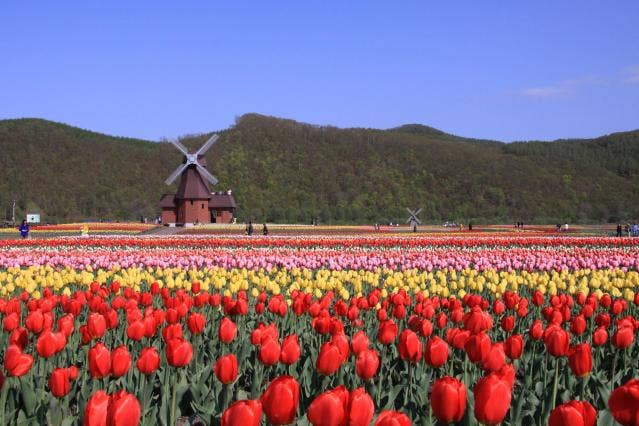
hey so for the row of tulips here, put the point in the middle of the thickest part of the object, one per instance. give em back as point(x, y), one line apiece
point(344, 283)
point(319, 241)
point(113, 355)
point(424, 259)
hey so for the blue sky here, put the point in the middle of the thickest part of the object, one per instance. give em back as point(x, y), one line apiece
point(490, 69)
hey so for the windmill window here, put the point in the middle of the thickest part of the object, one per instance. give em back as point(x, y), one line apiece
point(191, 202)
point(202, 206)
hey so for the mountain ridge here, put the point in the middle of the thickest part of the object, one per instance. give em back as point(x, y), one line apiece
point(286, 171)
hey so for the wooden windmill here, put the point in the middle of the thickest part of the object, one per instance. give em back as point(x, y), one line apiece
point(194, 202)
point(413, 220)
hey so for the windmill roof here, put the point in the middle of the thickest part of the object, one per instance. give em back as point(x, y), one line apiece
point(192, 185)
point(167, 201)
point(222, 201)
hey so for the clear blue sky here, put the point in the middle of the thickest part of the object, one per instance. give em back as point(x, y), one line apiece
point(508, 70)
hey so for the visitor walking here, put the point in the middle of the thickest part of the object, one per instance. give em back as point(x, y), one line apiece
point(249, 228)
point(619, 229)
point(24, 229)
point(635, 230)
point(264, 230)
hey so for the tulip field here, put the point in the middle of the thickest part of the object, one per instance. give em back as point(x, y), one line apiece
point(370, 329)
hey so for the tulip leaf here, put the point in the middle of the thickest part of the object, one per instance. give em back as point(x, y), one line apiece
point(29, 397)
point(604, 418)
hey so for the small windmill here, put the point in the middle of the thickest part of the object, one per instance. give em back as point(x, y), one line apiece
point(194, 202)
point(413, 220)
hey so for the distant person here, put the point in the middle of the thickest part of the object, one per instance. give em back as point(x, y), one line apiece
point(24, 229)
point(635, 230)
point(619, 229)
point(566, 227)
point(627, 229)
point(264, 230)
point(470, 226)
point(558, 226)
point(249, 228)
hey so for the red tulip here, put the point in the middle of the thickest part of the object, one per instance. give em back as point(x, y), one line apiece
point(359, 342)
point(11, 322)
point(35, 322)
point(329, 408)
point(123, 409)
point(135, 330)
point(226, 369)
point(573, 413)
point(19, 337)
point(196, 323)
point(392, 418)
point(291, 350)
point(623, 337)
point(280, 400)
point(329, 359)
point(178, 352)
point(508, 323)
point(477, 347)
point(270, 351)
point(557, 341)
point(96, 325)
point(448, 399)
point(59, 381)
point(624, 403)
point(243, 413)
point(49, 343)
point(580, 359)
point(361, 408)
point(492, 399)
point(410, 347)
point(477, 320)
point(578, 325)
point(17, 363)
point(495, 359)
point(148, 361)
point(514, 346)
point(436, 352)
point(536, 330)
point(227, 330)
point(367, 364)
point(95, 413)
point(99, 361)
point(387, 332)
point(600, 336)
point(120, 361)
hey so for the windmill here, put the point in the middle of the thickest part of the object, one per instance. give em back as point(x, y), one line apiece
point(413, 219)
point(194, 202)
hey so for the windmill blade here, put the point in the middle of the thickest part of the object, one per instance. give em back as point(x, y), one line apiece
point(419, 210)
point(175, 174)
point(208, 176)
point(180, 147)
point(207, 145)
point(419, 222)
point(410, 211)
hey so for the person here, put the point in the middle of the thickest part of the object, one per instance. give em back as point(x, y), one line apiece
point(619, 229)
point(626, 229)
point(24, 229)
point(264, 230)
point(249, 228)
point(566, 227)
point(470, 226)
point(635, 230)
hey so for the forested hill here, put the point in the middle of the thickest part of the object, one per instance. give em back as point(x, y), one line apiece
point(285, 171)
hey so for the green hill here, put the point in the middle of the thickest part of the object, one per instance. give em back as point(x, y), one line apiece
point(285, 171)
